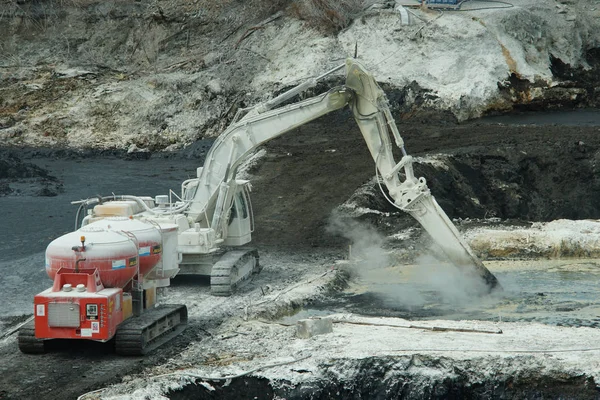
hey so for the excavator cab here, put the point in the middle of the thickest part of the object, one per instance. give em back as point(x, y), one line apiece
point(241, 219)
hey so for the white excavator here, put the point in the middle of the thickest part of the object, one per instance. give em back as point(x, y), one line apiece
point(114, 267)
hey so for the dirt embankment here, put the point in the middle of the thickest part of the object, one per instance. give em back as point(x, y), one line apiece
point(160, 75)
point(408, 377)
point(475, 171)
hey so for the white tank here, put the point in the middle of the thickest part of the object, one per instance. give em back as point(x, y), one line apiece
point(148, 236)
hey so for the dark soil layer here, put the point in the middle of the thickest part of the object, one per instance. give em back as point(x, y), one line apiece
point(537, 179)
point(532, 173)
point(412, 377)
point(241, 388)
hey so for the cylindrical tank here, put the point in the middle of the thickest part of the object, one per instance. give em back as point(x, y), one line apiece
point(114, 254)
point(148, 236)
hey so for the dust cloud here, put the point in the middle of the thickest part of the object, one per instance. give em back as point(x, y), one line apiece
point(366, 244)
point(397, 284)
point(454, 286)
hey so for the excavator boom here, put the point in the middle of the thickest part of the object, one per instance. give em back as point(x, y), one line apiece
point(211, 194)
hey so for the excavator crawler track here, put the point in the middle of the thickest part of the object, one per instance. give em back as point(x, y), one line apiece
point(28, 343)
point(233, 270)
point(140, 335)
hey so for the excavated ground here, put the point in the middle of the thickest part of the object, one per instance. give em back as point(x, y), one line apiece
point(523, 172)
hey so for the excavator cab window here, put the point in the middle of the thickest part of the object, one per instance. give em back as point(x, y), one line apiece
point(243, 205)
point(233, 213)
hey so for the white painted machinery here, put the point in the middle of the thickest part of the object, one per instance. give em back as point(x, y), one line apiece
point(205, 229)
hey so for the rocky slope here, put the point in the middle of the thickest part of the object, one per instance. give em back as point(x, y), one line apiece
point(159, 75)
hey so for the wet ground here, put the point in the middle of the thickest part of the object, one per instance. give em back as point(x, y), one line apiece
point(555, 292)
point(584, 117)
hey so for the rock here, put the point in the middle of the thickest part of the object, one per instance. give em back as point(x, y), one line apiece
point(48, 191)
point(133, 148)
point(5, 189)
point(6, 122)
point(213, 57)
point(136, 153)
point(214, 86)
point(307, 328)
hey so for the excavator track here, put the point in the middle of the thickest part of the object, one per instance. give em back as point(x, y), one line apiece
point(233, 270)
point(28, 343)
point(140, 335)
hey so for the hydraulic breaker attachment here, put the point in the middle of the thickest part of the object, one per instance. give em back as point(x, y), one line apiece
point(435, 221)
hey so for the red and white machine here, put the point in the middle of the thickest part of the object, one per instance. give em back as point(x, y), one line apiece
point(78, 306)
point(104, 277)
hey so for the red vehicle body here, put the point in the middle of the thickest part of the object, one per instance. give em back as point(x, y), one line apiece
point(78, 306)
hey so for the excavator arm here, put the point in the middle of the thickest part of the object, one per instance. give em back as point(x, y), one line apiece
point(373, 116)
point(210, 195)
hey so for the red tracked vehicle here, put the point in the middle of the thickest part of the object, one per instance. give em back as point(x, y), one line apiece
point(99, 291)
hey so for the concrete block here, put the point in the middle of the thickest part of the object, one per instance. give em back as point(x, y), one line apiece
point(307, 328)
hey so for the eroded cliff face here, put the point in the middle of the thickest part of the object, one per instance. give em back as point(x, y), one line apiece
point(160, 75)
